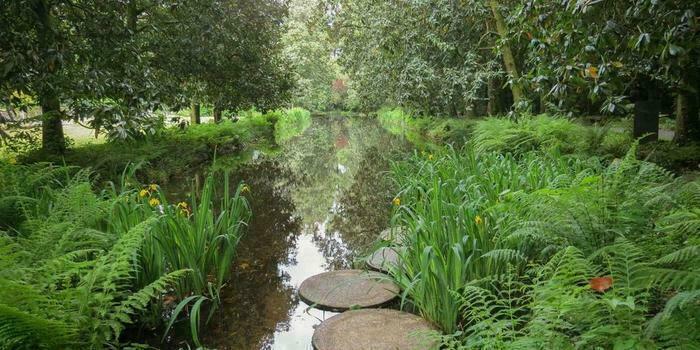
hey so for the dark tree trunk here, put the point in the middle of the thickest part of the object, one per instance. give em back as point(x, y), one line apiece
point(53, 140)
point(646, 119)
point(687, 112)
point(647, 107)
point(217, 113)
point(52, 137)
point(681, 132)
point(492, 91)
point(195, 117)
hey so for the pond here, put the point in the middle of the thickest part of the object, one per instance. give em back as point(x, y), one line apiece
point(317, 205)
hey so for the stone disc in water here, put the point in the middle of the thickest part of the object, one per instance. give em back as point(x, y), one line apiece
point(374, 329)
point(393, 234)
point(344, 289)
point(384, 258)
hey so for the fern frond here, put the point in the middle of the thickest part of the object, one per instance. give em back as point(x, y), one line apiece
point(21, 330)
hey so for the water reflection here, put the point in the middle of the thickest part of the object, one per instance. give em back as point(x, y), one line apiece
point(324, 197)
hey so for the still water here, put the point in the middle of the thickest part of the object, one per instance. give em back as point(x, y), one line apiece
point(317, 206)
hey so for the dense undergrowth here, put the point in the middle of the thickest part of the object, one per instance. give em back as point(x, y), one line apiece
point(86, 255)
point(173, 153)
point(78, 267)
point(291, 123)
point(533, 236)
point(424, 132)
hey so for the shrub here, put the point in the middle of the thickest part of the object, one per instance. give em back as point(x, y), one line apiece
point(291, 123)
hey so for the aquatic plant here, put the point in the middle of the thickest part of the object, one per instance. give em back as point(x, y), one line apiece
point(77, 268)
point(502, 247)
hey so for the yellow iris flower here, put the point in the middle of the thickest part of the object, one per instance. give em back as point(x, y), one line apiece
point(154, 202)
point(396, 201)
point(478, 220)
point(143, 193)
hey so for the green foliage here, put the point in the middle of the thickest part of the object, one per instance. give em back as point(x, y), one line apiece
point(194, 146)
point(308, 46)
point(505, 237)
point(529, 133)
point(77, 268)
point(424, 131)
point(417, 54)
point(292, 122)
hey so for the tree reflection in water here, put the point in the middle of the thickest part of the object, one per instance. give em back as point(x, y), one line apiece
point(325, 196)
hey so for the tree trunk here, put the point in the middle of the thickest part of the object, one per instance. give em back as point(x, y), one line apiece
point(646, 120)
point(508, 57)
point(52, 139)
point(217, 113)
point(681, 132)
point(195, 117)
point(688, 110)
point(492, 91)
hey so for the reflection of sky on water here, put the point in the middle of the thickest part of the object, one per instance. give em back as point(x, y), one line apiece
point(297, 333)
point(314, 206)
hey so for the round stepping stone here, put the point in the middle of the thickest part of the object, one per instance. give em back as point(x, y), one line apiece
point(393, 234)
point(384, 258)
point(374, 329)
point(344, 289)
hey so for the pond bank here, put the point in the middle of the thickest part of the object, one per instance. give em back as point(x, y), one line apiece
point(317, 204)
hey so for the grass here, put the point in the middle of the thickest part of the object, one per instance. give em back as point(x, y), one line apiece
point(173, 153)
point(507, 234)
point(78, 267)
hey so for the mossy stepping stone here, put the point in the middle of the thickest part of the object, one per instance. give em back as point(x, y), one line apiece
point(384, 258)
point(394, 234)
point(374, 329)
point(345, 289)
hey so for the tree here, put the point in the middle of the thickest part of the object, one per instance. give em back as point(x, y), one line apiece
point(113, 64)
point(612, 52)
point(308, 47)
point(225, 53)
point(438, 57)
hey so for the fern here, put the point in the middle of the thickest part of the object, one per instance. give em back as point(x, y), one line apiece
point(22, 330)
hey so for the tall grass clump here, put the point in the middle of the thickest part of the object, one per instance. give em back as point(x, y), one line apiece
point(291, 123)
point(519, 245)
point(78, 267)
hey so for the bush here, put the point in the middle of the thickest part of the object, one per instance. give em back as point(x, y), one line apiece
point(292, 122)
